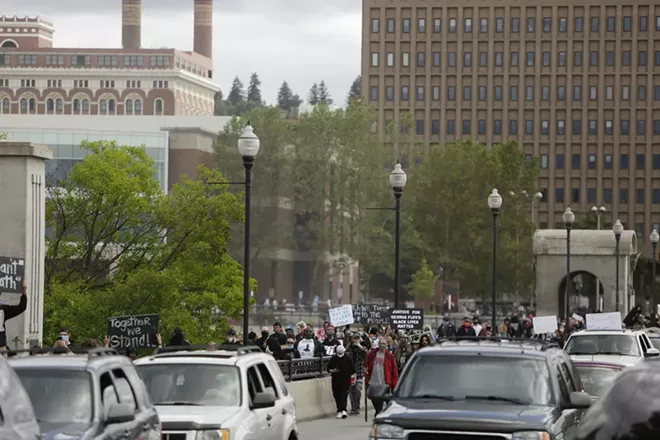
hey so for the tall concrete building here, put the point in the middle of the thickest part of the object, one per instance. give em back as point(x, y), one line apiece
point(38, 78)
point(577, 84)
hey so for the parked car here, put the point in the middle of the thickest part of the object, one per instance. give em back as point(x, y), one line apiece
point(628, 347)
point(484, 389)
point(597, 376)
point(17, 419)
point(230, 392)
point(96, 395)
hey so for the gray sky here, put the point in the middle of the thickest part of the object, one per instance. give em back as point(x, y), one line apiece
point(300, 41)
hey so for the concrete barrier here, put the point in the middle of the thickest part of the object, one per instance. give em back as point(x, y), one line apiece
point(313, 398)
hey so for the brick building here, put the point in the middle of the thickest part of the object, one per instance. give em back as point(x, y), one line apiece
point(38, 78)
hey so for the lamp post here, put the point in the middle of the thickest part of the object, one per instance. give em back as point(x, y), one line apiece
point(494, 203)
point(398, 179)
point(248, 147)
point(618, 230)
point(654, 237)
point(599, 211)
point(569, 219)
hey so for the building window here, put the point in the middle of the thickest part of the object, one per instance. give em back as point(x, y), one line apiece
point(497, 126)
point(623, 162)
point(513, 127)
point(483, 25)
point(405, 59)
point(531, 24)
point(575, 161)
point(498, 93)
point(436, 59)
point(103, 107)
point(640, 162)
point(80, 60)
point(467, 93)
point(591, 195)
point(641, 58)
point(435, 126)
point(544, 161)
point(513, 93)
point(374, 93)
point(374, 59)
point(112, 106)
point(421, 25)
point(575, 195)
point(420, 93)
point(421, 60)
point(499, 59)
point(562, 24)
point(559, 195)
point(594, 24)
point(374, 25)
point(499, 25)
point(625, 127)
point(406, 25)
point(529, 93)
point(419, 126)
point(107, 84)
point(108, 60)
point(623, 195)
point(54, 60)
point(482, 93)
point(577, 93)
point(593, 58)
point(404, 93)
point(452, 25)
point(436, 93)
point(466, 127)
point(577, 58)
point(515, 25)
point(577, 127)
point(579, 23)
point(592, 162)
point(640, 196)
point(437, 25)
point(158, 107)
point(545, 126)
point(656, 196)
point(530, 59)
point(627, 24)
point(611, 24)
point(483, 59)
point(467, 59)
point(656, 161)
point(389, 93)
point(468, 25)
point(546, 24)
point(80, 83)
point(607, 195)
point(5, 109)
point(514, 59)
point(561, 127)
point(559, 161)
point(546, 59)
point(625, 59)
point(451, 127)
point(641, 127)
point(643, 23)
point(561, 93)
point(451, 93)
point(482, 126)
point(593, 127)
point(27, 60)
point(133, 60)
point(159, 61)
point(390, 25)
point(561, 60)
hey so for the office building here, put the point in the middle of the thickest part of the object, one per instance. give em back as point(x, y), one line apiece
point(38, 78)
point(577, 84)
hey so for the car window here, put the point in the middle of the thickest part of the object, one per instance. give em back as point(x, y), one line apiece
point(124, 390)
point(109, 395)
point(269, 383)
point(569, 378)
point(138, 387)
point(563, 388)
point(192, 384)
point(254, 383)
point(642, 343)
point(279, 377)
point(655, 343)
point(597, 380)
point(615, 344)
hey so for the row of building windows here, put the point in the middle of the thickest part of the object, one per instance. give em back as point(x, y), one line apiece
point(561, 60)
point(624, 196)
point(54, 106)
point(84, 83)
point(530, 93)
point(483, 26)
point(86, 60)
point(528, 127)
point(592, 161)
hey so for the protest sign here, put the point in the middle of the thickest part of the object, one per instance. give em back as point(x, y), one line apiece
point(371, 314)
point(133, 332)
point(407, 319)
point(12, 273)
point(544, 324)
point(340, 316)
point(604, 321)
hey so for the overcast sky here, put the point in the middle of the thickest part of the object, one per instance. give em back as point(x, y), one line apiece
point(300, 41)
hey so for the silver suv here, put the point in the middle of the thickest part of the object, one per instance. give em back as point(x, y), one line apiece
point(17, 420)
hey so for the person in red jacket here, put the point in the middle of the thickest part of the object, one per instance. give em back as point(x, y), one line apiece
point(381, 369)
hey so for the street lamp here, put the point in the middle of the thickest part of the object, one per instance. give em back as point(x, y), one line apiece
point(569, 219)
point(494, 203)
point(654, 237)
point(248, 147)
point(618, 230)
point(599, 211)
point(398, 179)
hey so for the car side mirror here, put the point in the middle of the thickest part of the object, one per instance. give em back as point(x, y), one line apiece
point(580, 399)
point(652, 352)
point(120, 413)
point(263, 400)
point(380, 392)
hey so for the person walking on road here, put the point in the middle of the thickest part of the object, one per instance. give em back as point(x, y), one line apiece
point(381, 369)
point(342, 369)
point(358, 354)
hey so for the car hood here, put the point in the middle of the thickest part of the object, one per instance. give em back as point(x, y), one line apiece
point(458, 415)
point(194, 418)
point(63, 431)
point(608, 358)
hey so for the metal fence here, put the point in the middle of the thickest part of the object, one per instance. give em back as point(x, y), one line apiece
point(310, 368)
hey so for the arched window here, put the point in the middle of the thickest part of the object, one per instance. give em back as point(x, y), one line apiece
point(50, 106)
point(112, 106)
point(9, 43)
point(103, 107)
point(5, 109)
point(75, 109)
point(33, 106)
point(128, 107)
point(59, 106)
point(85, 106)
point(138, 106)
point(24, 106)
point(158, 107)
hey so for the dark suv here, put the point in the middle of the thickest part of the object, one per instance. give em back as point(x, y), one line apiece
point(484, 390)
point(95, 395)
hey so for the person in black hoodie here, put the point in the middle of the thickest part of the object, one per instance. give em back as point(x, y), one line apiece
point(342, 369)
point(466, 330)
point(178, 338)
point(262, 341)
point(8, 312)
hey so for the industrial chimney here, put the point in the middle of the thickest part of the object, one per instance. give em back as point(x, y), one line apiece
point(131, 26)
point(204, 28)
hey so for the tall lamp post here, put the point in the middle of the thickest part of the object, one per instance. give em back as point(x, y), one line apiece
point(654, 237)
point(569, 219)
point(618, 230)
point(494, 203)
point(248, 147)
point(398, 179)
point(599, 211)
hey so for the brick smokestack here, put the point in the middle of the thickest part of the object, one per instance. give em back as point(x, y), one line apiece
point(131, 24)
point(204, 28)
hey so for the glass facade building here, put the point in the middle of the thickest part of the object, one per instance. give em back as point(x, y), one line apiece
point(65, 145)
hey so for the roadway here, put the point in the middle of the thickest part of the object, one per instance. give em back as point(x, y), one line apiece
point(351, 428)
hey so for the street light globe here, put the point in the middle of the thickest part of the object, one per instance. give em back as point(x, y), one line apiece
point(618, 228)
point(654, 237)
point(568, 217)
point(539, 195)
point(398, 178)
point(495, 201)
point(248, 143)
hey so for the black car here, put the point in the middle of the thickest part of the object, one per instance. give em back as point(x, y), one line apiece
point(484, 389)
point(96, 395)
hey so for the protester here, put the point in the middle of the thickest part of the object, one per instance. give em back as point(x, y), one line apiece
point(178, 338)
point(466, 330)
point(262, 342)
point(446, 328)
point(300, 328)
point(381, 370)
point(231, 338)
point(330, 343)
point(308, 346)
point(8, 312)
point(424, 341)
point(342, 369)
point(358, 353)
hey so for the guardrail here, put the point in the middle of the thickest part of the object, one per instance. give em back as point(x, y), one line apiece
point(310, 368)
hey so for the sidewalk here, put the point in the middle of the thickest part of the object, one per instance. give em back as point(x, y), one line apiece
point(351, 428)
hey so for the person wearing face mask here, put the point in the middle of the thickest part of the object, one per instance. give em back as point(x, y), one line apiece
point(446, 328)
point(515, 331)
point(262, 342)
point(231, 338)
point(381, 369)
point(487, 330)
point(342, 369)
point(466, 330)
point(308, 347)
point(364, 338)
point(330, 343)
point(289, 352)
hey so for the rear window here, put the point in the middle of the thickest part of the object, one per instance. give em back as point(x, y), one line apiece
point(596, 380)
point(621, 345)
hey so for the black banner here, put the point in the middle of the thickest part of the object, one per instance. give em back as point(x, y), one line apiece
point(371, 314)
point(133, 332)
point(12, 274)
point(407, 319)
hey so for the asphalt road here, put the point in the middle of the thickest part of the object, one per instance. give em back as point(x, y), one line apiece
point(352, 428)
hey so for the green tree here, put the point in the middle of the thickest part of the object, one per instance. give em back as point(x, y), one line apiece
point(254, 91)
point(236, 94)
point(3, 136)
point(423, 282)
point(355, 91)
point(589, 220)
point(120, 246)
point(324, 94)
point(313, 97)
point(285, 96)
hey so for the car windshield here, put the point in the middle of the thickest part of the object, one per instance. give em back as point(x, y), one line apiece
point(489, 378)
point(623, 345)
point(192, 384)
point(655, 342)
point(59, 396)
point(596, 380)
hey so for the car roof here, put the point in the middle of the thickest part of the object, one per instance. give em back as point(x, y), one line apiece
point(625, 331)
point(493, 347)
point(221, 355)
point(94, 359)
